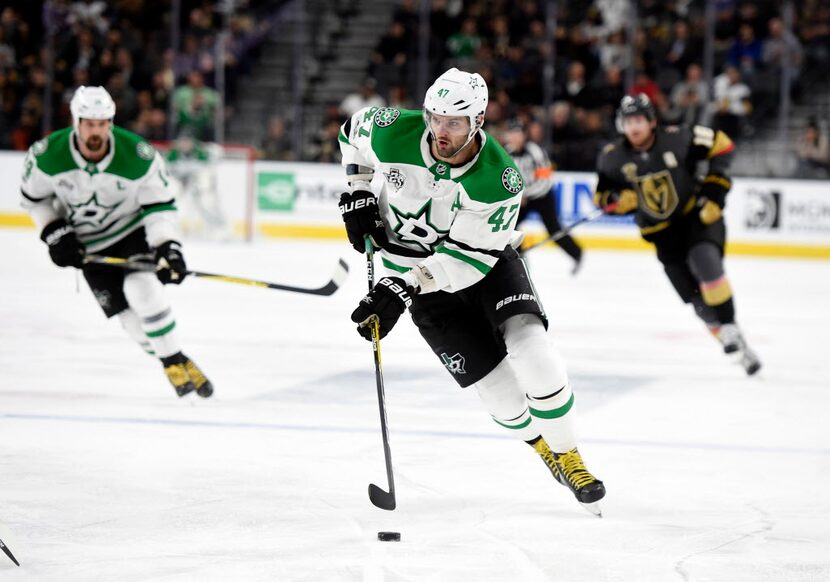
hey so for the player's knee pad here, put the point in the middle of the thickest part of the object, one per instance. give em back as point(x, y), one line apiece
point(539, 366)
point(145, 294)
point(132, 325)
point(705, 261)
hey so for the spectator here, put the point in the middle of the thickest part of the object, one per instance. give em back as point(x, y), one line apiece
point(366, 96)
point(732, 102)
point(781, 49)
point(645, 84)
point(615, 52)
point(689, 98)
point(463, 44)
point(195, 107)
point(745, 52)
point(682, 50)
point(388, 61)
point(277, 144)
point(813, 152)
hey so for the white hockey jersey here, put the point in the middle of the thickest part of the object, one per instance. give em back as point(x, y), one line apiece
point(105, 201)
point(454, 221)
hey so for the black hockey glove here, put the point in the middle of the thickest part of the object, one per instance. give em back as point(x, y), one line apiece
point(387, 301)
point(362, 217)
point(64, 247)
point(714, 189)
point(170, 260)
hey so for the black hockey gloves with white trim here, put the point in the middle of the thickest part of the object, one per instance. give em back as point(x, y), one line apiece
point(170, 260)
point(387, 301)
point(362, 217)
point(64, 247)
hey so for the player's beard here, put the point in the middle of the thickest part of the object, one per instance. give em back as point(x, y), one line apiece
point(94, 143)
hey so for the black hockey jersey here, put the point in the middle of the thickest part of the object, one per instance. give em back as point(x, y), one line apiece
point(665, 176)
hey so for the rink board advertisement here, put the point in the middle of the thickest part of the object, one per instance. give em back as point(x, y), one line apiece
point(287, 199)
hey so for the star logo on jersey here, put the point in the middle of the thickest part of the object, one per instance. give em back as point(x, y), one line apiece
point(91, 212)
point(418, 228)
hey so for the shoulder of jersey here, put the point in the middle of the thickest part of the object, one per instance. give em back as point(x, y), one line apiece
point(133, 155)
point(494, 177)
point(391, 116)
point(52, 154)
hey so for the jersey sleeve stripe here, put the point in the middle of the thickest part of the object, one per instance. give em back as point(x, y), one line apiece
point(722, 145)
point(160, 207)
point(466, 247)
point(393, 267)
point(475, 263)
point(33, 199)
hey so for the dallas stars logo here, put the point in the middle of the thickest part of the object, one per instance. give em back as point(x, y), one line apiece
point(454, 364)
point(91, 212)
point(418, 228)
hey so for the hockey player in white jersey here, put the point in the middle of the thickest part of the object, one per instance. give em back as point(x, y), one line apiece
point(95, 188)
point(536, 169)
point(442, 209)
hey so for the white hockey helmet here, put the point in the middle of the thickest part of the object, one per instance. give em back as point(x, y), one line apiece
point(458, 93)
point(91, 103)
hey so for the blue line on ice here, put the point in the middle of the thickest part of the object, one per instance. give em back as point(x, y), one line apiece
point(403, 432)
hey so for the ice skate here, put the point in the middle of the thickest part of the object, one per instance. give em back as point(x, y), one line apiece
point(204, 387)
point(734, 343)
point(569, 469)
point(179, 378)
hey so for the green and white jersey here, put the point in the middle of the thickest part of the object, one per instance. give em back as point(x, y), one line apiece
point(103, 201)
point(451, 221)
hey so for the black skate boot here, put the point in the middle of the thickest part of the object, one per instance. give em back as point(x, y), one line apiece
point(569, 469)
point(204, 388)
point(174, 367)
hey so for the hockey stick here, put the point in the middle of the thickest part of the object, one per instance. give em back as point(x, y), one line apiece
point(379, 497)
point(8, 552)
point(567, 230)
point(329, 288)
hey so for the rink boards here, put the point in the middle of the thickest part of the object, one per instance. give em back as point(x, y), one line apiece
point(765, 217)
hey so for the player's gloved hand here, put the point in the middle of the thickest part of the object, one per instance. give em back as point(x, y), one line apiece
point(710, 212)
point(362, 217)
point(387, 301)
point(64, 247)
point(169, 258)
point(621, 202)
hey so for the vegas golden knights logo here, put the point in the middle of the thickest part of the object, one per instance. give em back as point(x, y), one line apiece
point(658, 196)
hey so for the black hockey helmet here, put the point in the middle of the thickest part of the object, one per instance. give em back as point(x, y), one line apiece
point(632, 105)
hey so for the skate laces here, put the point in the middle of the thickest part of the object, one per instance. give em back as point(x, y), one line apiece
point(573, 468)
point(543, 450)
point(177, 374)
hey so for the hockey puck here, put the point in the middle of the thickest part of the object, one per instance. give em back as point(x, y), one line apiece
point(389, 536)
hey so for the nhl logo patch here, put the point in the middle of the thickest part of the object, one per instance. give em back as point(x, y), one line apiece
point(144, 150)
point(40, 146)
point(512, 180)
point(386, 116)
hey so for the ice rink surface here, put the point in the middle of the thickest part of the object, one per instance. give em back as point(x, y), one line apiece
point(106, 475)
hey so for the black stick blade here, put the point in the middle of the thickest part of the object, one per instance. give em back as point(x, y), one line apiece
point(382, 499)
point(8, 552)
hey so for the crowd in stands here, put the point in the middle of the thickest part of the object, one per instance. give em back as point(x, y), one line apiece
point(125, 46)
point(508, 43)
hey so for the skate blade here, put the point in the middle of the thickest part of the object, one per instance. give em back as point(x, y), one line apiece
point(593, 508)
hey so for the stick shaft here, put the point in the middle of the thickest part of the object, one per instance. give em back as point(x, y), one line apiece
point(567, 230)
point(380, 498)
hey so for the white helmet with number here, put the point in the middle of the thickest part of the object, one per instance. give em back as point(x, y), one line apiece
point(458, 93)
point(91, 103)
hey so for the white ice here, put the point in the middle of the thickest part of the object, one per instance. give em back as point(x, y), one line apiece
point(106, 475)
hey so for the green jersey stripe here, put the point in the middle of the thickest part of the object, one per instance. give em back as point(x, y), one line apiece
point(158, 208)
point(390, 265)
point(555, 413)
point(136, 219)
point(482, 267)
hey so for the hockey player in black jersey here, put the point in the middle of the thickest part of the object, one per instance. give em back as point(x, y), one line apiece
point(652, 171)
point(535, 167)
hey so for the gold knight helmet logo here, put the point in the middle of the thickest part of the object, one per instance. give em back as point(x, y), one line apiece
point(657, 192)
